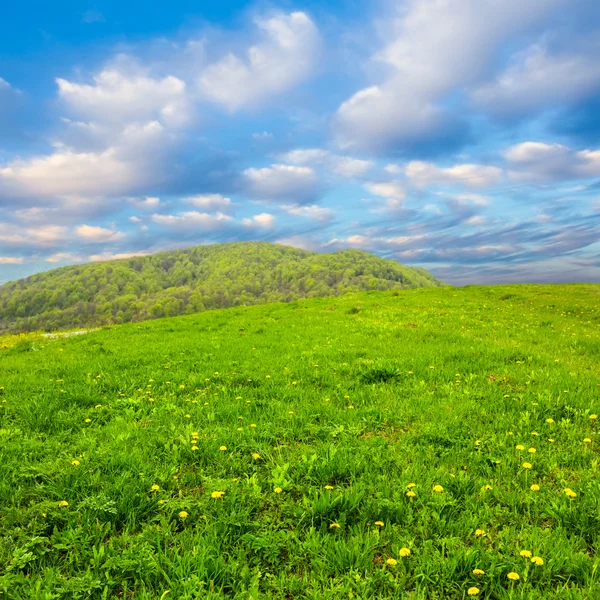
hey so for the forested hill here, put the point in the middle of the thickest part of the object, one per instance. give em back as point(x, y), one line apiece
point(190, 281)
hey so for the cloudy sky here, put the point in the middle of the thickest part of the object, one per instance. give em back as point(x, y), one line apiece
point(462, 136)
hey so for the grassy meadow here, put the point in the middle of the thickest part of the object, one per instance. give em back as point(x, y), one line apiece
point(437, 443)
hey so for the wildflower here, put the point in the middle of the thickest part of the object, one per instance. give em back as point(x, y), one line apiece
point(194, 448)
point(487, 487)
point(188, 416)
point(551, 440)
point(593, 417)
point(88, 420)
point(379, 523)
point(222, 448)
point(479, 532)
point(477, 442)
point(183, 515)
point(411, 485)
point(520, 447)
point(253, 425)
point(328, 487)
point(534, 433)
point(550, 421)
point(438, 488)
point(240, 429)
point(278, 490)
point(392, 562)
point(411, 494)
point(155, 488)
point(195, 435)
point(255, 455)
point(478, 572)
point(513, 576)
point(334, 526)
point(587, 441)
point(569, 492)
point(473, 591)
point(538, 561)
point(531, 450)
point(525, 553)
point(535, 488)
point(404, 552)
point(63, 504)
point(75, 463)
point(527, 465)
point(217, 495)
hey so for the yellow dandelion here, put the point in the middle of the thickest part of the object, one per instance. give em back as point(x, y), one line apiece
point(520, 447)
point(527, 465)
point(587, 441)
point(411, 485)
point(551, 440)
point(188, 416)
point(278, 490)
point(537, 560)
point(328, 487)
point(195, 435)
point(194, 448)
point(217, 495)
point(479, 532)
point(255, 455)
point(411, 494)
point(88, 420)
point(513, 576)
point(531, 450)
point(593, 417)
point(223, 448)
point(379, 523)
point(75, 463)
point(392, 562)
point(473, 591)
point(487, 487)
point(550, 421)
point(334, 526)
point(240, 429)
point(404, 552)
point(438, 488)
point(534, 433)
point(478, 572)
point(63, 504)
point(525, 553)
point(183, 514)
point(155, 488)
point(569, 492)
point(253, 425)
point(535, 488)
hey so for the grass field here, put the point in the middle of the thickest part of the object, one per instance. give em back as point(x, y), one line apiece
point(435, 443)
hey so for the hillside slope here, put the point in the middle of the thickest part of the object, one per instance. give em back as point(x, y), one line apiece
point(426, 444)
point(191, 281)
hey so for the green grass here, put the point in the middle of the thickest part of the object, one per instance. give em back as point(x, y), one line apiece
point(365, 394)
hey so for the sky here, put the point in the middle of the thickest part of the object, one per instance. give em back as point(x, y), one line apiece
point(460, 136)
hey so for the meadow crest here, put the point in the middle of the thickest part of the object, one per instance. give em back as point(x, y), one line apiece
point(434, 443)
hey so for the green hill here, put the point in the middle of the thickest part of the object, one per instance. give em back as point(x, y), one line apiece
point(191, 281)
point(376, 446)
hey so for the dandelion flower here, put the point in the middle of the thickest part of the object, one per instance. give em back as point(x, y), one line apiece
point(217, 495)
point(404, 552)
point(75, 463)
point(587, 441)
point(155, 488)
point(527, 465)
point(520, 447)
point(334, 526)
point(535, 488)
point(195, 435)
point(379, 523)
point(473, 591)
point(222, 448)
point(531, 450)
point(63, 504)
point(278, 490)
point(411, 485)
point(255, 455)
point(253, 425)
point(478, 572)
point(534, 433)
point(183, 515)
point(438, 488)
point(392, 562)
point(569, 492)
point(513, 576)
point(487, 487)
point(551, 440)
point(411, 494)
point(536, 560)
point(550, 421)
point(194, 448)
point(593, 417)
point(188, 416)
point(328, 487)
point(479, 532)
point(88, 420)
point(525, 553)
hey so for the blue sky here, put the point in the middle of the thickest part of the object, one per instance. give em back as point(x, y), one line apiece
point(462, 136)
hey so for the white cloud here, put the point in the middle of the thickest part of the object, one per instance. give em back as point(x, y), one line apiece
point(387, 189)
point(117, 97)
point(344, 166)
point(539, 161)
point(297, 185)
point(97, 235)
point(424, 174)
point(11, 260)
point(60, 257)
point(146, 202)
point(110, 256)
point(193, 220)
point(262, 221)
point(210, 202)
point(302, 242)
point(537, 78)
point(318, 213)
point(285, 57)
point(432, 48)
point(43, 236)
point(393, 169)
point(135, 219)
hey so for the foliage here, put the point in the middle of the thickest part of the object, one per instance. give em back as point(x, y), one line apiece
point(190, 281)
point(267, 451)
